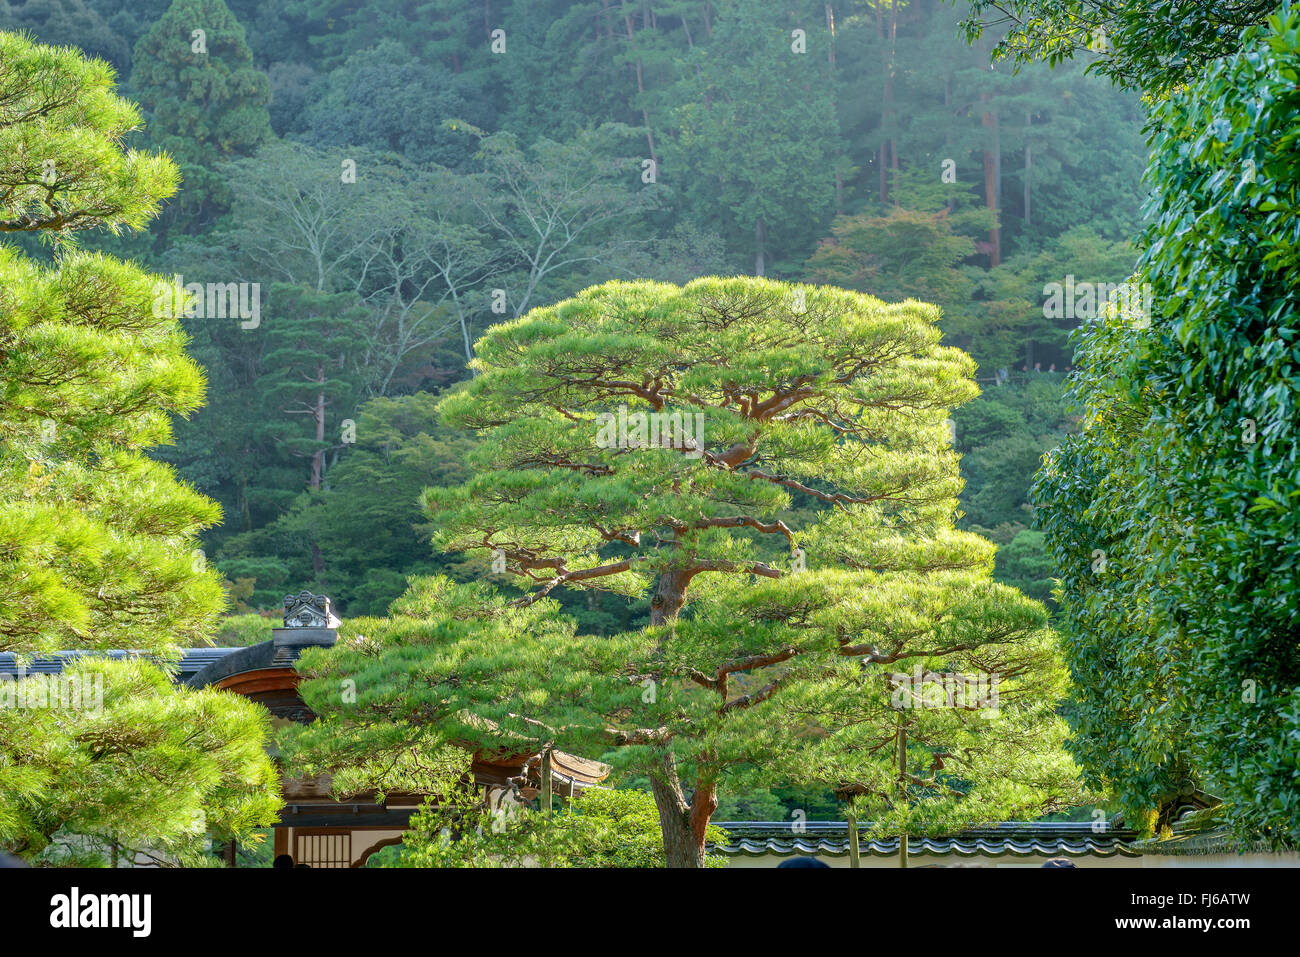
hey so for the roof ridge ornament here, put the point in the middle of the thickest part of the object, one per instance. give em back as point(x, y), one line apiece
point(305, 610)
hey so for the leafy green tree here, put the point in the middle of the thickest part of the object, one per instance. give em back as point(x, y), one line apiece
point(296, 220)
point(903, 254)
point(450, 32)
point(409, 240)
point(385, 99)
point(804, 391)
point(240, 631)
point(99, 541)
point(207, 103)
point(1171, 516)
point(916, 249)
point(131, 20)
point(1003, 436)
point(1006, 324)
point(132, 768)
point(561, 208)
point(1023, 564)
point(1149, 45)
point(406, 245)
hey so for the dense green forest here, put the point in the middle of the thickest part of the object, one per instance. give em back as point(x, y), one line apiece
point(989, 308)
point(394, 191)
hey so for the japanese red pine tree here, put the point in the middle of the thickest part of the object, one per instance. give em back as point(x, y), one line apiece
point(771, 465)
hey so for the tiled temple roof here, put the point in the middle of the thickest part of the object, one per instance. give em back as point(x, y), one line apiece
point(1013, 838)
point(192, 661)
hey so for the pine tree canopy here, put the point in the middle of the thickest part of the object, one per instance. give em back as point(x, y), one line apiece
point(62, 166)
point(140, 766)
point(796, 390)
point(97, 541)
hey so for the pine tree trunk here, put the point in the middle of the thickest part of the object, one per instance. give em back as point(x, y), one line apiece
point(640, 89)
point(684, 825)
point(318, 414)
point(1029, 165)
point(674, 821)
point(887, 101)
point(992, 164)
point(245, 513)
point(830, 59)
point(947, 135)
point(884, 172)
point(830, 28)
point(760, 240)
point(900, 745)
point(669, 596)
point(851, 813)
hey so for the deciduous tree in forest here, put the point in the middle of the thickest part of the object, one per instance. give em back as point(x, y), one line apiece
point(561, 208)
point(1149, 45)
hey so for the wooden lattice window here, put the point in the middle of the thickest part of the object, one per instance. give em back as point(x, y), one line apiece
point(322, 848)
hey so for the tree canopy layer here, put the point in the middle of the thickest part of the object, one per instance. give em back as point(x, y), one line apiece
point(194, 73)
point(755, 391)
point(451, 182)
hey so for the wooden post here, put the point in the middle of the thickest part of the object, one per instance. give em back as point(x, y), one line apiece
point(546, 780)
point(852, 814)
point(902, 787)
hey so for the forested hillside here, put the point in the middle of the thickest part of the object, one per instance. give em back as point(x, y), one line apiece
point(394, 191)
